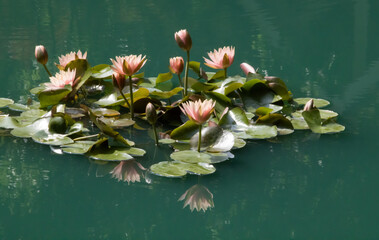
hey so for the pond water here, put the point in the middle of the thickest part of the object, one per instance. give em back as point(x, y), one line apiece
point(301, 186)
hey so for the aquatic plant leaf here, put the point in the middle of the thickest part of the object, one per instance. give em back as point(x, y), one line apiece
point(101, 71)
point(195, 66)
point(106, 112)
point(318, 102)
point(263, 111)
point(224, 143)
point(52, 97)
point(110, 154)
point(222, 101)
point(200, 86)
point(313, 119)
point(257, 132)
point(163, 77)
point(5, 102)
point(77, 127)
point(165, 94)
point(218, 75)
point(8, 122)
point(38, 89)
point(18, 107)
point(46, 137)
point(166, 141)
point(332, 128)
point(239, 143)
point(275, 119)
point(190, 156)
point(209, 135)
point(78, 147)
point(236, 116)
point(197, 168)
point(218, 157)
point(299, 123)
point(109, 100)
point(32, 114)
point(118, 122)
point(30, 130)
point(324, 114)
point(181, 146)
point(168, 169)
point(185, 131)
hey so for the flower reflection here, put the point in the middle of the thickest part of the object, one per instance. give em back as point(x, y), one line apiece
point(198, 197)
point(129, 171)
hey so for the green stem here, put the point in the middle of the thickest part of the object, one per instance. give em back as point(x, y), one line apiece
point(186, 74)
point(122, 94)
point(47, 70)
point(199, 142)
point(155, 134)
point(85, 137)
point(131, 97)
point(226, 75)
point(181, 84)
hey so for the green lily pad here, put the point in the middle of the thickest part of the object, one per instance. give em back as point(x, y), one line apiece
point(209, 136)
point(45, 137)
point(163, 77)
point(79, 147)
point(168, 169)
point(257, 132)
point(324, 114)
point(102, 71)
point(190, 156)
point(239, 143)
point(318, 102)
point(105, 112)
point(166, 141)
point(217, 157)
point(52, 97)
point(8, 122)
point(110, 154)
point(198, 168)
point(185, 131)
point(33, 114)
point(165, 94)
point(332, 128)
point(5, 102)
point(30, 130)
point(18, 107)
point(299, 123)
point(118, 122)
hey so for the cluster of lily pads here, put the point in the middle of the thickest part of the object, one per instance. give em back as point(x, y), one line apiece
point(82, 108)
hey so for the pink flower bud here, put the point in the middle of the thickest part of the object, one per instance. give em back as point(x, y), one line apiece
point(151, 113)
point(41, 54)
point(176, 65)
point(118, 80)
point(246, 68)
point(183, 39)
point(309, 105)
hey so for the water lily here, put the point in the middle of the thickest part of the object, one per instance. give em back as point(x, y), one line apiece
point(183, 38)
point(198, 197)
point(41, 54)
point(246, 68)
point(176, 65)
point(65, 59)
point(129, 65)
point(42, 57)
point(221, 58)
point(199, 112)
point(61, 79)
point(128, 171)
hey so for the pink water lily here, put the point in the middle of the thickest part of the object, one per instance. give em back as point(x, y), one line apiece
point(198, 197)
point(129, 171)
point(176, 65)
point(221, 58)
point(128, 65)
point(183, 39)
point(65, 59)
point(61, 79)
point(198, 111)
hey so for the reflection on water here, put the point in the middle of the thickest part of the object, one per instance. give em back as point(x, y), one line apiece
point(302, 186)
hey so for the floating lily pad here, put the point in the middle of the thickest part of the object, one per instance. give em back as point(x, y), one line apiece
point(168, 169)
point(45, 137)
point(217, 157)
point(299, 123)
point(198, 169)
point(111, 154)
point(167, 141)
point(324, 114)
point(105, 112)
point(79, 147)
point(190, 156)
point(30, 130)
point(166, 94)
point(332, 128)
point(5, 102)
point(118, 122)
point(239, 143)
point(8, 122)
point(258, 132)
point(318, 102)
point(102, 71)
point(18, 107)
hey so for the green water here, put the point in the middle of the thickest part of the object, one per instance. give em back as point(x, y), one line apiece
point(302, 186)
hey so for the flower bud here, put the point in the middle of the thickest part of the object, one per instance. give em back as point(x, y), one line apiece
point(151, 113)
point(309, 105)
point(246, 68)
point(41, 54)
point(183, 39)
point(176, 65)
point(118, 80)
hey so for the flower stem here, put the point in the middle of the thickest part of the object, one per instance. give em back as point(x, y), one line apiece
point(226, 75)
point(199, 142)
point(85, 137)
point(155, 134)
point(131, 97)
point(47, 70)
point(181, 84)
point(186, 74)
point(122, 94)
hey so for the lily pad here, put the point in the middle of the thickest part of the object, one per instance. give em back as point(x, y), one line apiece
point(45, 137)
point(79, 147)
point(110, 154)
point(5, 102)
point(168, 169)
point(198, 168)
point(190, 156)
point(8, 122)
point(18, 107)
point(258, 132)
point(318, 102)
point(118, 122)
point(30, 130)
point(105, 112)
